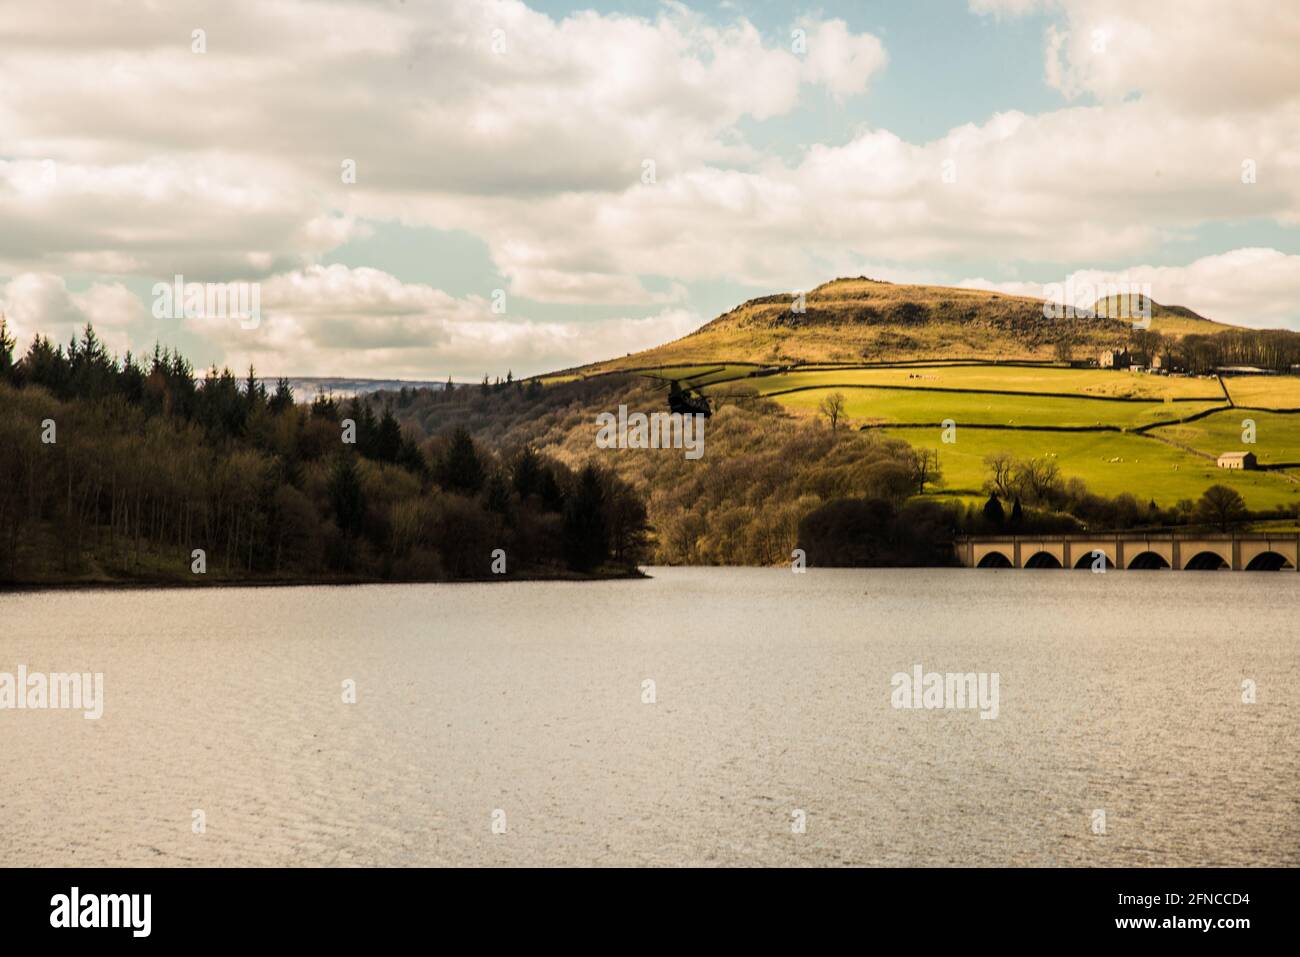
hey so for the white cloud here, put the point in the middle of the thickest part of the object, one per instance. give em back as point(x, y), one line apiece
point(41, 303)
point(1063, 186)
point(207, 218)
point(227, 164)
point(322, 319)
point(840, 60)
point(529, 133)
point(1013, 8)
point(471, 96)
point(1196, 55)
point(1245, 287)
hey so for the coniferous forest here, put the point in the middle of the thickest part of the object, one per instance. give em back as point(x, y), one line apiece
point(140, 470)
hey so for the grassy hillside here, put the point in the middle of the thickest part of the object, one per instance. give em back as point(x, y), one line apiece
point(997, 378)
point(863, 320)
point(908, 358)
point(1119, 432)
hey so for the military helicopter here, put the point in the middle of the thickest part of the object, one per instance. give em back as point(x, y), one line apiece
point(687, 401)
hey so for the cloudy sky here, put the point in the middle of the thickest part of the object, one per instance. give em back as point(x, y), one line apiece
point(546, 183)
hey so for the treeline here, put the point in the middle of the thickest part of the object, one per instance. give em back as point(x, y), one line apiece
point(1028, 498)
point(1030, 494)
point(1274, 349)
point(880, 533)
point(112, 470)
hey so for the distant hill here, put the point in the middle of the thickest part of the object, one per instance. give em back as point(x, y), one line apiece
point(305, 388)
point(865, 320)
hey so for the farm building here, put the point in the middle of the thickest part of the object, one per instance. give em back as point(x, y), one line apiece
point(1114, 359)
point(1237, 460)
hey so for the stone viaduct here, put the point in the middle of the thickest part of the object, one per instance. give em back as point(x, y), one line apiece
point(1138, 550)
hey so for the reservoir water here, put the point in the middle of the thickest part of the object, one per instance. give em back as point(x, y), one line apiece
point(702, 716)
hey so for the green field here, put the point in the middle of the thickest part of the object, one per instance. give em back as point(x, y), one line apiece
point(1277, 436)
point(1084, 382)
point(1109, 462)
point(875, 406)
point(699, 375)
point(1265, 391)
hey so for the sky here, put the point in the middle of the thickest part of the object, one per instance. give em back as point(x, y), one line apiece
point(467, 187)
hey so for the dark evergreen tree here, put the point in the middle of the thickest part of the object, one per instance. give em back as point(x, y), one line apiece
point(551, 491)
point(131, 380)
point(993, 512)
point(47, 366)
point(496, 495)
point(91, 370)
point(282, 400)
point(586, 538)
point(254, 391)
point(347, 499)
point(324, 407)
point(527, 473)
point(1017, 515)
point(460, 469)
point(411, 458)
point(7, 344)
point(388, 437)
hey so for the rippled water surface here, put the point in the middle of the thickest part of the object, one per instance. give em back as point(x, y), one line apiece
point(1120, 692)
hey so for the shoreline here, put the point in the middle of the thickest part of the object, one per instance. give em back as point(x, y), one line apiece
point(135, 584)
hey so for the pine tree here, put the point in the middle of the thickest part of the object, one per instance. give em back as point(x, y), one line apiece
point(993, 512)
point(460, 469)
point(254, 391)
point(7, 344)
point(346, 496)
point(527, 473)
point(282, 400)
point(411, 458)
point(552, 494)
point(388, 439)
point(497, 495)
point(1017, 516)
point(586, 538)
point(131, 380)
point(324, 407)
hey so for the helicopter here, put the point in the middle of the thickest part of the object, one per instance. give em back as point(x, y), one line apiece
point(687, 401)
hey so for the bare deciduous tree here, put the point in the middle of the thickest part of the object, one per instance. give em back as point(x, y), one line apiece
point(833, 408)
point(925, 469)
point(1001, 466)
point(1036, 478)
